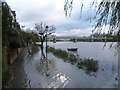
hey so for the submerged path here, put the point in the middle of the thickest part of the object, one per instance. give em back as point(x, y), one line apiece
point(33, 71)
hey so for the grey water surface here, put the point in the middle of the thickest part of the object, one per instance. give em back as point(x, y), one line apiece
point(53, 72)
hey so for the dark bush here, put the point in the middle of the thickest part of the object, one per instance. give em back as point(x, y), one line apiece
point(89, 64)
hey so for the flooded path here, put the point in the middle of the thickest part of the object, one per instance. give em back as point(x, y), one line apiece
point(53, 72)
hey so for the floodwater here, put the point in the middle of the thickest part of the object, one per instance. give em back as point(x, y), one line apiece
point(53, 72)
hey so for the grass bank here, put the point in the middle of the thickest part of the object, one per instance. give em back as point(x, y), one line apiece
point(89, 65)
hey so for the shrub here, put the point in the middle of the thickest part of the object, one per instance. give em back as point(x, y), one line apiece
point(89, 65)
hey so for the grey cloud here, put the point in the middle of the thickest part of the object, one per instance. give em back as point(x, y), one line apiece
point(74, 25)
point(35, 14)
point(29, 14)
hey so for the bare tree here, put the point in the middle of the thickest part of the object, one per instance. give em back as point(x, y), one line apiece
point(43, 30)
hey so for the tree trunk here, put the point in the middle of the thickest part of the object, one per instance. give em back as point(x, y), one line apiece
point(42, 44)
point(42, 53)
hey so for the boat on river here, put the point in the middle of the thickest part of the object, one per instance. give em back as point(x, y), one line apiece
point(72, 49)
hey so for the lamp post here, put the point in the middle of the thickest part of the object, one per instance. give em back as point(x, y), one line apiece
point(46, 29)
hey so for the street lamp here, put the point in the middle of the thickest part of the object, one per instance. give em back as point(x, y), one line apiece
point(46, 29)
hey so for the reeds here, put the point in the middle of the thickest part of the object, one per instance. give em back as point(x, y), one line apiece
point(87, 64)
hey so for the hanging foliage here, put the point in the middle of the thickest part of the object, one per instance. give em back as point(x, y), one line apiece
point(108, 13)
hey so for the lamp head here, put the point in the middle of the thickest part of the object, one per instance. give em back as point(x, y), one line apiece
point(47, 27)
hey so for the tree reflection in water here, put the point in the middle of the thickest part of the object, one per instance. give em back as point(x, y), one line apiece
point(45, 65)
point(53, 72)
point(47, 68)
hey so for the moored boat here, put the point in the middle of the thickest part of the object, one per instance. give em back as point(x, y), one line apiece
point(72, 49)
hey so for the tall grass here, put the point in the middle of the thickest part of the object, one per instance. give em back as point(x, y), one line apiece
point(89, 65)
point(58, 52)
point(85, 63)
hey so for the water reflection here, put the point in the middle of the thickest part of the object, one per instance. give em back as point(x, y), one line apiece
point(53, 72)
point(47, 68)
point(87, 64)
point(59, 80)
point(44, 65)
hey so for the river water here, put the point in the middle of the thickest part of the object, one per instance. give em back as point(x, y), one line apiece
point(53, 72)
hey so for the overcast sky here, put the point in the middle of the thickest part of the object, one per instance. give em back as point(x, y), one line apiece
point(51, 12)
